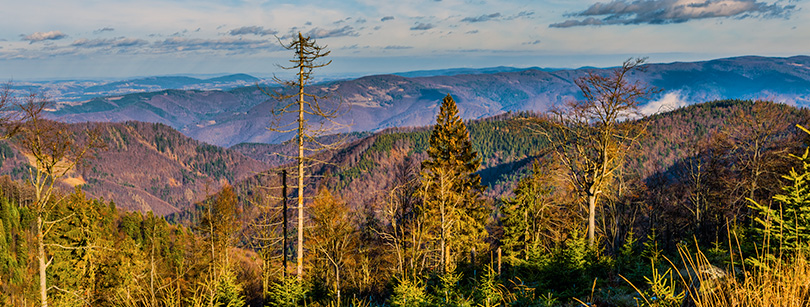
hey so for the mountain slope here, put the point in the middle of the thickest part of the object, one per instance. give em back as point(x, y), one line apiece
point(147, 167)
point(154, 167)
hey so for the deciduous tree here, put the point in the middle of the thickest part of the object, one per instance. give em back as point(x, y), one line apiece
point(219, 225)
point(591, 137)
point(332, 236)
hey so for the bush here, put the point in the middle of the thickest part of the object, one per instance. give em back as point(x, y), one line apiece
point(288, 293)
point(410, 293)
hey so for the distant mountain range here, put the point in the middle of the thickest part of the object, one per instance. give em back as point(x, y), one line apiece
point(78, 91)
point(231, 116)
point(466, 71)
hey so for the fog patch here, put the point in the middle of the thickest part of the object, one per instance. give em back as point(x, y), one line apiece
point(670, 101)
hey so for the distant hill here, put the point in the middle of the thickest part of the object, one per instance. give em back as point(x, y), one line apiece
point(154, 167)
point(226, 118)
point(77, 91)
point(147, 167)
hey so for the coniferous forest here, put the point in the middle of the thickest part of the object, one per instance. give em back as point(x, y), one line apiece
point(589, 204)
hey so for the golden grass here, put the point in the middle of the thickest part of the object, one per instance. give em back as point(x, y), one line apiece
point(763, 281)
point(774, 282)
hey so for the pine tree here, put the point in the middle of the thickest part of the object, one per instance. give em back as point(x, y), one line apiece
point(451, 189)
point(787, 225)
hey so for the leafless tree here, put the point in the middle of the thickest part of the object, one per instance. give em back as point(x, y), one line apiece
point(9, 117)
point(591, 137)
point(313, 119)
point(754, 144)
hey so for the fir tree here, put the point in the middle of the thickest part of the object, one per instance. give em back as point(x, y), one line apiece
point(451, 189)
point(525, 214)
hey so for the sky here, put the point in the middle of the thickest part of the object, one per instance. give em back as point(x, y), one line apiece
point(95, 39)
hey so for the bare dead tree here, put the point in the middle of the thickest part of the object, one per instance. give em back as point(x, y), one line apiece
point(313, 119)
point(591, 137)
point(9, 117)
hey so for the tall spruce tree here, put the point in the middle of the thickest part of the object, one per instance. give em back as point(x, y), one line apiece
point(451, 189)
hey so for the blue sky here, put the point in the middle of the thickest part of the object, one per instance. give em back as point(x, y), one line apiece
point(80, 39)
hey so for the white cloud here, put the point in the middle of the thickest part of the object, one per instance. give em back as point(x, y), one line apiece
point(107, 43)
point(182, 44)
point(324, 33)
point(43, 36)
point(422, 26)
point(482, 18)
point(102, 30)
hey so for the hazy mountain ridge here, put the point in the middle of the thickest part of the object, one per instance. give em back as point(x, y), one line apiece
point(79, 91)
point(466, 71)
point(227, 118)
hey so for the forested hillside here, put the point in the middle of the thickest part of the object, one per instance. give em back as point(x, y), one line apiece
point(507, 144)
point(146, 167)
point(689, 177)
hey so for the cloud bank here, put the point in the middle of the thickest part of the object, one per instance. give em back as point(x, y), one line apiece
point(174, 44)
point(324, 33)
point(622, 12)
point(120, 42)
point(422, 26)
point(102, 30)
point(255, 30)
point(482, 18)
